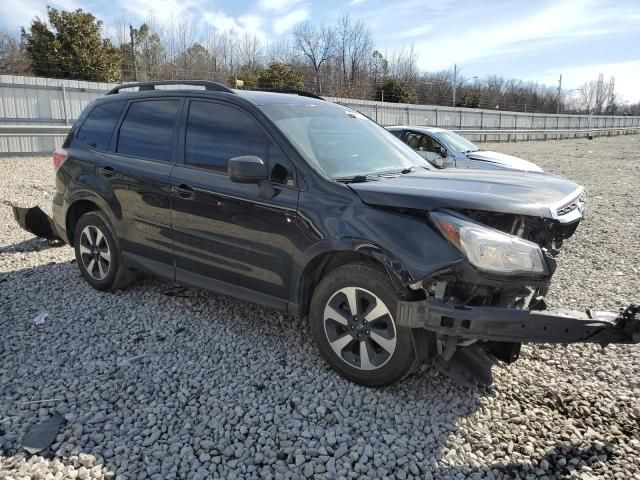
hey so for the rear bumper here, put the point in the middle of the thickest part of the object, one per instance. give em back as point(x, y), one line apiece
point(35, 221)
point(523, 326)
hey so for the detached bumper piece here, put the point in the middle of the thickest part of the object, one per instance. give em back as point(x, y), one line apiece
point(524, 326)
point(35, 221)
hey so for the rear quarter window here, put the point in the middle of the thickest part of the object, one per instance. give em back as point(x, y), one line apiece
point(98, 127)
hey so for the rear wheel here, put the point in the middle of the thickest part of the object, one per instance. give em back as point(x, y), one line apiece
point(352, 321)
point(98, 253)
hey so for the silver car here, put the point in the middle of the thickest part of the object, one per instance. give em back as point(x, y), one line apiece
point(445, 149)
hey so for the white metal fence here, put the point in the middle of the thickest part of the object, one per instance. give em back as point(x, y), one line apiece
point(51, 104)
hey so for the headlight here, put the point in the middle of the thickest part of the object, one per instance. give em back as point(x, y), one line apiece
point(488, 249)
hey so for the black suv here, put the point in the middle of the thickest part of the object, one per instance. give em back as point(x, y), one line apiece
point(311, 208)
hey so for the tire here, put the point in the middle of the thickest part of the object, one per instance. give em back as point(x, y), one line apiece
point(98, 253)
point(366, 348)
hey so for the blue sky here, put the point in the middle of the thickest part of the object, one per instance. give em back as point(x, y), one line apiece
point(532, 40)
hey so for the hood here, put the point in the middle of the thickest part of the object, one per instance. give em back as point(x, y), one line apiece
point(506, 161)
point(504, 191)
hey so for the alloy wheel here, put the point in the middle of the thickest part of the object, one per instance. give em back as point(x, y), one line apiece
point(95, 252)
point(360, 329)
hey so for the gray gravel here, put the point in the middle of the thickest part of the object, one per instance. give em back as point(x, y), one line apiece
point(202, 385)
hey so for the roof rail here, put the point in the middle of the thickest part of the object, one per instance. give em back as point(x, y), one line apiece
point(301, 93)
point(146, 86)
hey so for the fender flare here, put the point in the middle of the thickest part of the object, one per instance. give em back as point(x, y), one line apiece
point(97, 200)
point(315, 256)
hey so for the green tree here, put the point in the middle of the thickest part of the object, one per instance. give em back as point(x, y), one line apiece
point(281, 77)
point(70, 46)
point(379, 67)
point(149, 55)
point(150, 51)
point(248, 76)
point(395, 91)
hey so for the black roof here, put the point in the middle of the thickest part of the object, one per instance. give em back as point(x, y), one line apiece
point(271, 98)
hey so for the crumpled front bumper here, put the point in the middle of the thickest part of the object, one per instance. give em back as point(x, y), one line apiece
point(523, 326)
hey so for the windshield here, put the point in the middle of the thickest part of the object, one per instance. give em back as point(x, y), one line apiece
point(341, 141)
point(458, 143)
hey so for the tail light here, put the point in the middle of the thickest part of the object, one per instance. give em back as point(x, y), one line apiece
point(59, 156)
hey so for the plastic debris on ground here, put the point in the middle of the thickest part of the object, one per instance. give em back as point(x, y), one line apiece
point(41, 318)
point(42, 435)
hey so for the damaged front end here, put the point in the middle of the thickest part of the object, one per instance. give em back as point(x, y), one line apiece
point(484, 308)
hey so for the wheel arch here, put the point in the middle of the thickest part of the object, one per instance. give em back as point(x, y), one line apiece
point(347, 251)
point(77, 209)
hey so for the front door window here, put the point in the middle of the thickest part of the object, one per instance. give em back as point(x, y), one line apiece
point(425, 145)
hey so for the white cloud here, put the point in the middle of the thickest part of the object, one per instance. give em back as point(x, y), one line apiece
point(625, 73)
point(221, 21)
point(245, 24)
point(251, 23)
point(23, 12)
point(161, 10)
point(416, 31)
point(286, 22)
point(278, 5)
point(558, 22)
point(353, 3)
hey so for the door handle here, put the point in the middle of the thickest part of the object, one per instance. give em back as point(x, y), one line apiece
point(107, 171)
point(184, 191)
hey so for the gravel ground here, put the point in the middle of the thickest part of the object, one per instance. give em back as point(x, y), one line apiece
point(197, 385)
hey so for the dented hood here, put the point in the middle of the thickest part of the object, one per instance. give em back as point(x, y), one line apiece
point(508, 191)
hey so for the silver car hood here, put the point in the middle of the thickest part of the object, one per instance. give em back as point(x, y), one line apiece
point(504, 161)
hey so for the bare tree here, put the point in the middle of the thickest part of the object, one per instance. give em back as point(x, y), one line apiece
point(354, 46)
point(317, 44)
point(186, 32)
point(13, 56)
point(596, 95)
point(250, 48)
point(282, 50)
point(404, 64)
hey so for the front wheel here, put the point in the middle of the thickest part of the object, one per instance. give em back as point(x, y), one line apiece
point(353, 326)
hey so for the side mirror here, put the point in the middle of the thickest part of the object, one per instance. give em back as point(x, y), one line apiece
point(443, 152)
point(247, 169)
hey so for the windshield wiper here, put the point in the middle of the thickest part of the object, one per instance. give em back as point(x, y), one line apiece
point(354, 179)
point(404, 171)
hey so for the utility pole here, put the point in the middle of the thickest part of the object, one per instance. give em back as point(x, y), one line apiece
point(133, 52)
point(559, 94)
point(455, 81)
point(613, 97)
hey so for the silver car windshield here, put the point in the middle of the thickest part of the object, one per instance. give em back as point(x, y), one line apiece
point(341, 141)
point(458, 143)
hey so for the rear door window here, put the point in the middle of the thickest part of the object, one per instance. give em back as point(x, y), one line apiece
point(98, 127)
point(147, 129)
